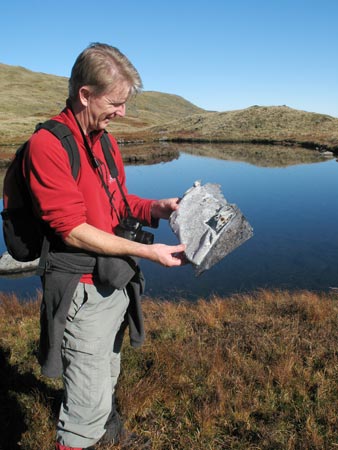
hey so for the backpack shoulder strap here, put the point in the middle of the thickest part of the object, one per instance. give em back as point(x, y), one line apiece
point(106, 148)
point(63, 133)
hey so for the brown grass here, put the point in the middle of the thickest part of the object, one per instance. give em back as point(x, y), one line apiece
point(255, 371)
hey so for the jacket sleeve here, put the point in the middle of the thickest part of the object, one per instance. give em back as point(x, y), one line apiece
point(55, 194)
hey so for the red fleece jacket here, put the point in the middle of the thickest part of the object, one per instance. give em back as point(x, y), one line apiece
point(65, 203)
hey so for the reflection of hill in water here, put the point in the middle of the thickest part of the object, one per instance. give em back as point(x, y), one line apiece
point(150, 153)
point(133, 154)
point(258, 155)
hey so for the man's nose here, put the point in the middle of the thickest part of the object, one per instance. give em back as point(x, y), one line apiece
point(121, 110)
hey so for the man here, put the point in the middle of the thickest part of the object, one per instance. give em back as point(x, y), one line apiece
point(83, 315)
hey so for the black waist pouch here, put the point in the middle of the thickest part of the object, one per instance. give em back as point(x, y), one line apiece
point(115, 271)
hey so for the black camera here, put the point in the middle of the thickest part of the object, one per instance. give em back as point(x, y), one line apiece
point(130, 228)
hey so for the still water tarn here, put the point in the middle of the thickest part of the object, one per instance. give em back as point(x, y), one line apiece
point(208, 225)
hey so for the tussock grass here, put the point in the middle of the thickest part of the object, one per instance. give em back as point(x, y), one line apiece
point(255, 371)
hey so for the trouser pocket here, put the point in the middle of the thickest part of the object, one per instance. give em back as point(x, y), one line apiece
point(86, 370)
point(79, 299)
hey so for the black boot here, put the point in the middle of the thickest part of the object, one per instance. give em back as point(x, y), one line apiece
point(113, 426)
point(116, 433)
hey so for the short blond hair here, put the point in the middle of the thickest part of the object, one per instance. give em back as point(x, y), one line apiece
point(102, 67)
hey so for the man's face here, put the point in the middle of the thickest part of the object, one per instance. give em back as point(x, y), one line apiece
point(101, 109)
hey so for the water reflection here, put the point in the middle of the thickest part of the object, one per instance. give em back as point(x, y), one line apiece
point(259, 155)
point(290, 199)
point(151, 153)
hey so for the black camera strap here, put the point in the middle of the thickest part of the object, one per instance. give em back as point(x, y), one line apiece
point(106, 148)
point(112, 167)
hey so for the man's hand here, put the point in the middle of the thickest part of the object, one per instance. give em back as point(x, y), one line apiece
point(167, 255)
point(92, 239)
point(161, 209)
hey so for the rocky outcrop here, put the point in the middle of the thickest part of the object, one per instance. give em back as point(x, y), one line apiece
point(9, 266)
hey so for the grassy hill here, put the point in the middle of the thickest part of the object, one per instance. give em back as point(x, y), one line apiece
point(27, 97)
point(274, 124)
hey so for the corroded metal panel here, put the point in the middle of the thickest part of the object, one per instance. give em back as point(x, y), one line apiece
point(208, 225)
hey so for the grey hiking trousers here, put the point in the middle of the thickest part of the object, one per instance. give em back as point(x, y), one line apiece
point(90, 364)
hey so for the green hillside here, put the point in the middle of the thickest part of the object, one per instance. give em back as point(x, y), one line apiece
point(28, 97)
point(275, 124)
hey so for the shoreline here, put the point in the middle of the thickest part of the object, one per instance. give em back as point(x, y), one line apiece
point(157, 154)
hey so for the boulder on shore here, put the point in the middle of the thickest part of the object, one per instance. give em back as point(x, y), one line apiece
point(9, 266)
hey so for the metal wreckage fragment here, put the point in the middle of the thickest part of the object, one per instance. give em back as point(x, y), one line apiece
point(208, 225)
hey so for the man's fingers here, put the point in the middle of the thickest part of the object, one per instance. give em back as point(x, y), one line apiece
point(178, 248)
point(179, 255)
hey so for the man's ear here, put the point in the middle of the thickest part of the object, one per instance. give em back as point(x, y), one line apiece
point(84, 94)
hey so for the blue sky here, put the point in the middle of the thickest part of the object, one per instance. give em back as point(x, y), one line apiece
point(220, 55)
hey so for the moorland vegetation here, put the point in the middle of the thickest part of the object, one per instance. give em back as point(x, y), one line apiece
point(247, 372)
